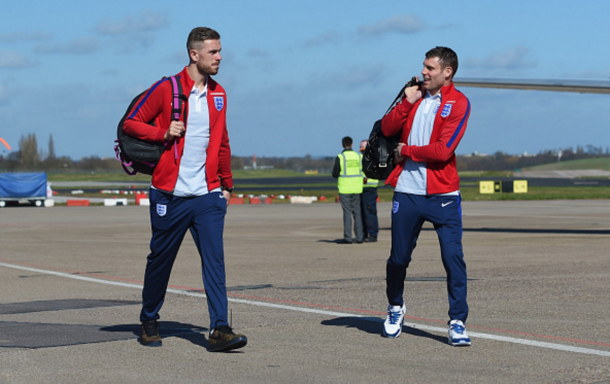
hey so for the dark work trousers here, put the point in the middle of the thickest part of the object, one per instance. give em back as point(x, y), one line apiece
point(408, 215)
point(369, 212)
point(171, 217)
point(351, 208)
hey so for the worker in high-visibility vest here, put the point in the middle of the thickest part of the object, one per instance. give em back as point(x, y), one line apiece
point(369, 205)
point(348, 171)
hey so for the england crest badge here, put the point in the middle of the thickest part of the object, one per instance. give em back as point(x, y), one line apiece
point(446, 110)
point(219, 102)
point(161, 209)
point(395, 207)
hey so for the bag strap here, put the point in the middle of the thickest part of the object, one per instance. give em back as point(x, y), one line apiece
point(177, 98)
point(410, 83)
point(177, 105)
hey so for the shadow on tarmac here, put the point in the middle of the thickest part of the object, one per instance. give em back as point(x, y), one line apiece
point(188, 332)
point(374, 325)
point(48, 335)
point(541, 230)
point(338, 241)
point(534, 230)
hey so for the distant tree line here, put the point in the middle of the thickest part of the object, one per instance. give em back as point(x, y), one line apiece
point(298, 164)
point(30, 158)
point(501, 161)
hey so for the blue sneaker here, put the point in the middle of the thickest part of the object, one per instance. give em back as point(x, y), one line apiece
point(457, 334)
point(393, 321)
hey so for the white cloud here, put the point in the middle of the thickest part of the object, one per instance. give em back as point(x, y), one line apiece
point(14, 60)
point(78, 46)
point(514, 58)
point(325, 38)
point(353, 77)
point(21, 37)
point(147, 22)
point(405, 24)
point(134, 30)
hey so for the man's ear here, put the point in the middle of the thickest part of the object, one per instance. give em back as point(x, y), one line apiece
point(193, 55)
point(448, 72)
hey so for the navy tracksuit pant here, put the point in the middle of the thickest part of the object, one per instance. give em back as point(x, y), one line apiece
point(171, 217)
point(369, 212)
point(409, 212)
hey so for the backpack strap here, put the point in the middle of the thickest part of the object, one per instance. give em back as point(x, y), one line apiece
point(410, 83)
point(177, 98)
point(178, 108)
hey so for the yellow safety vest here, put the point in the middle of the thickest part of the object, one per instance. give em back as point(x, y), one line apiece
point(371, 183)
point(350, 179)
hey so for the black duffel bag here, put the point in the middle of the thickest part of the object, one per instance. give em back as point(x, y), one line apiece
point(378, 157)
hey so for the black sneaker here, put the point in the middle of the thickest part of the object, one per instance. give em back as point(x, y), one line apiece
point(370, 239)
point(150, 334)
point(223, 339)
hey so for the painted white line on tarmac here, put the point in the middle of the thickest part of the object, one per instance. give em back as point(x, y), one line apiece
point(560, 347)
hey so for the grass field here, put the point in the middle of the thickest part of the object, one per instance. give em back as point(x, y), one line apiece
point(470, 191)
point(120, 176)
point(596, 163)
point(534, 193)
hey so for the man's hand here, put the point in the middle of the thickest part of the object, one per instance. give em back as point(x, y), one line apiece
point(227, 196)
point(176, 129)
point(413, 94)
point(397, 156)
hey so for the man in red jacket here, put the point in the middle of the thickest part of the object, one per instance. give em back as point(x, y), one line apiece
point(191, 185)
point(433, 118)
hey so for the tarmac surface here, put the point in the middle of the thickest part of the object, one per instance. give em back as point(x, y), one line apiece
point(312, 309)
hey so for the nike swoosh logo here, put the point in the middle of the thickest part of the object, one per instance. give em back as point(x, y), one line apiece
point(443, 205)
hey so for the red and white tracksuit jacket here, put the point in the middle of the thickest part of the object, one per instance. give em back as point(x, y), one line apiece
point(439, 155)
point(158, 108)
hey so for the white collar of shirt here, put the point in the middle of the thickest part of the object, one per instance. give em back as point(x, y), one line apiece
point(195, 91)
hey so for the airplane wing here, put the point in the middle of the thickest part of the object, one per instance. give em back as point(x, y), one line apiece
point(580, 86)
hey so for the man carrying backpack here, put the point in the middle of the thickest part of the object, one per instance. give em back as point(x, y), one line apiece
point(431, 118)
point(191, 185)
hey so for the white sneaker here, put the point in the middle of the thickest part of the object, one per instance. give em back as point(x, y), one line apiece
point(457, 333)
point(393, 321)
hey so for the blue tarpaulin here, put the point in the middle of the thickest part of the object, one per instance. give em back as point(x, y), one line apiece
point(23, 185)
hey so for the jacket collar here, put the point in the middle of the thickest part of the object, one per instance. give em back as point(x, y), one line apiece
point(189, 83)
point(447, 89)
point(444, 91)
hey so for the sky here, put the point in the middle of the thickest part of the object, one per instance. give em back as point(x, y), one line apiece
point(301, 75)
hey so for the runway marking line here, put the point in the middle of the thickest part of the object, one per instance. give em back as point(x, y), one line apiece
point(283, 304)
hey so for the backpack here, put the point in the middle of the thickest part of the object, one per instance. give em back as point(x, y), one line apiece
point(378, 157)
point(138, 155)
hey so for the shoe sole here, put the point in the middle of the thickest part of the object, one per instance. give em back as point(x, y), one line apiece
point(237, 343)
point(460, 343)
point(392, 336)
point(157, 343)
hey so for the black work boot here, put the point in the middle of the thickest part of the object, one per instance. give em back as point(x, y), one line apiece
point(223, 339)
point(150, 334)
